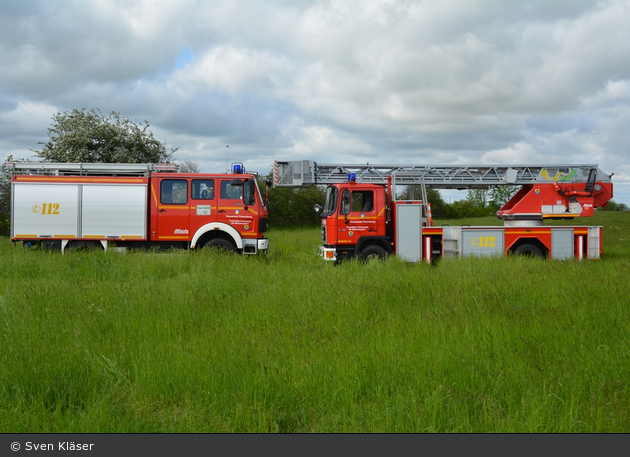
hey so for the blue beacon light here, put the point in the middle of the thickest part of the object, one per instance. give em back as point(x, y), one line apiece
point(352, 177)
point(237, 169)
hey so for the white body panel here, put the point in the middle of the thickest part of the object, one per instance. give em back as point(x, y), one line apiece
point(114, 211)
point(409, 232)
point(44, 210)
point(72, 210)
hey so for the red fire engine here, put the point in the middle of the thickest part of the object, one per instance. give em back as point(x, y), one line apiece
point(362, 216)
point(69, 205)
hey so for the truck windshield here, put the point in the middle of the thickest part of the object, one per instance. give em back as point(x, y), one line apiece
point(331, 201)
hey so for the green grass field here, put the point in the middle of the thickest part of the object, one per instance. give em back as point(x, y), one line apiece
point(204, 342)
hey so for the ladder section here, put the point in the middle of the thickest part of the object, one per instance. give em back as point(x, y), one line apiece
point(86, 169)
point(305, 173)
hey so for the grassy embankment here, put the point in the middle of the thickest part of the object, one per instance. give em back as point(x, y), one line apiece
point(199, 342)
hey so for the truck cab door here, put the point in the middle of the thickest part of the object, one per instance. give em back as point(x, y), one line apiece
point(358, 216)
point(173, 210)
point(203, 203)
point(233, 209)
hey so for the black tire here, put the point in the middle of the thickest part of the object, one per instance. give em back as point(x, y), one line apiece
point(373, 251)
point(529, 250)
point(220, 244)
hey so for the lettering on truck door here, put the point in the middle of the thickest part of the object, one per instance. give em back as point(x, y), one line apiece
point(232, 208)
point(173, 210)
point(358, 216)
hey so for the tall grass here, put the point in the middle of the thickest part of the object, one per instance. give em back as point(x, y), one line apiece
point(203, 342)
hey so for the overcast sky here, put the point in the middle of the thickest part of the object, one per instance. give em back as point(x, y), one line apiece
point(409, 82)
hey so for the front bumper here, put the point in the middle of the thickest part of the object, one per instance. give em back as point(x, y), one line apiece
point(327, 253)
point(253, 246)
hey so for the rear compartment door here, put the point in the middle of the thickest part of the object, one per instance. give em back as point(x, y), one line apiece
point(114, 211)
point(483, 241)
point(409, 232)
point(562, 243)
point(45, 210)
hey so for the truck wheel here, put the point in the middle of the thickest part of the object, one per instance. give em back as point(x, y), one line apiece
point(220, 244)
point(528, 250)
point(373, 251)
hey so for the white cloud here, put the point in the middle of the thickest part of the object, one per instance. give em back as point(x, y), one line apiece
point(315, 141)
point(31, 117)
point(23, 126)
point(520, 153)
point(237, 71)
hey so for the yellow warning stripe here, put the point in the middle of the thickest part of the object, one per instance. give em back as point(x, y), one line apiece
point(154, 196)
point(21, 235)
point(560, 215)
point(122, 237)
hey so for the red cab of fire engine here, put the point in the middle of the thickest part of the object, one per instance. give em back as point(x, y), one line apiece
point(353, 217)
point(222, 210)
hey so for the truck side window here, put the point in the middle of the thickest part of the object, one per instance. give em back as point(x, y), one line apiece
point(203, 189)
point(249, 191)
point(363, 201)
point(230, 190)
point(174, 192)
point(345, 202)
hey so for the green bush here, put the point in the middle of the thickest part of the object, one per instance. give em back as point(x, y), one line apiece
point(614, 206)
point(290, 207)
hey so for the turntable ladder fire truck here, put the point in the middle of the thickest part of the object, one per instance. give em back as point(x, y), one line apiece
point(71, 205)
point(362, 216)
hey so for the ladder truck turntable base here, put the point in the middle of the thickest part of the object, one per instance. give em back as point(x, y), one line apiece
point(363, 218)
point(72, 205)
